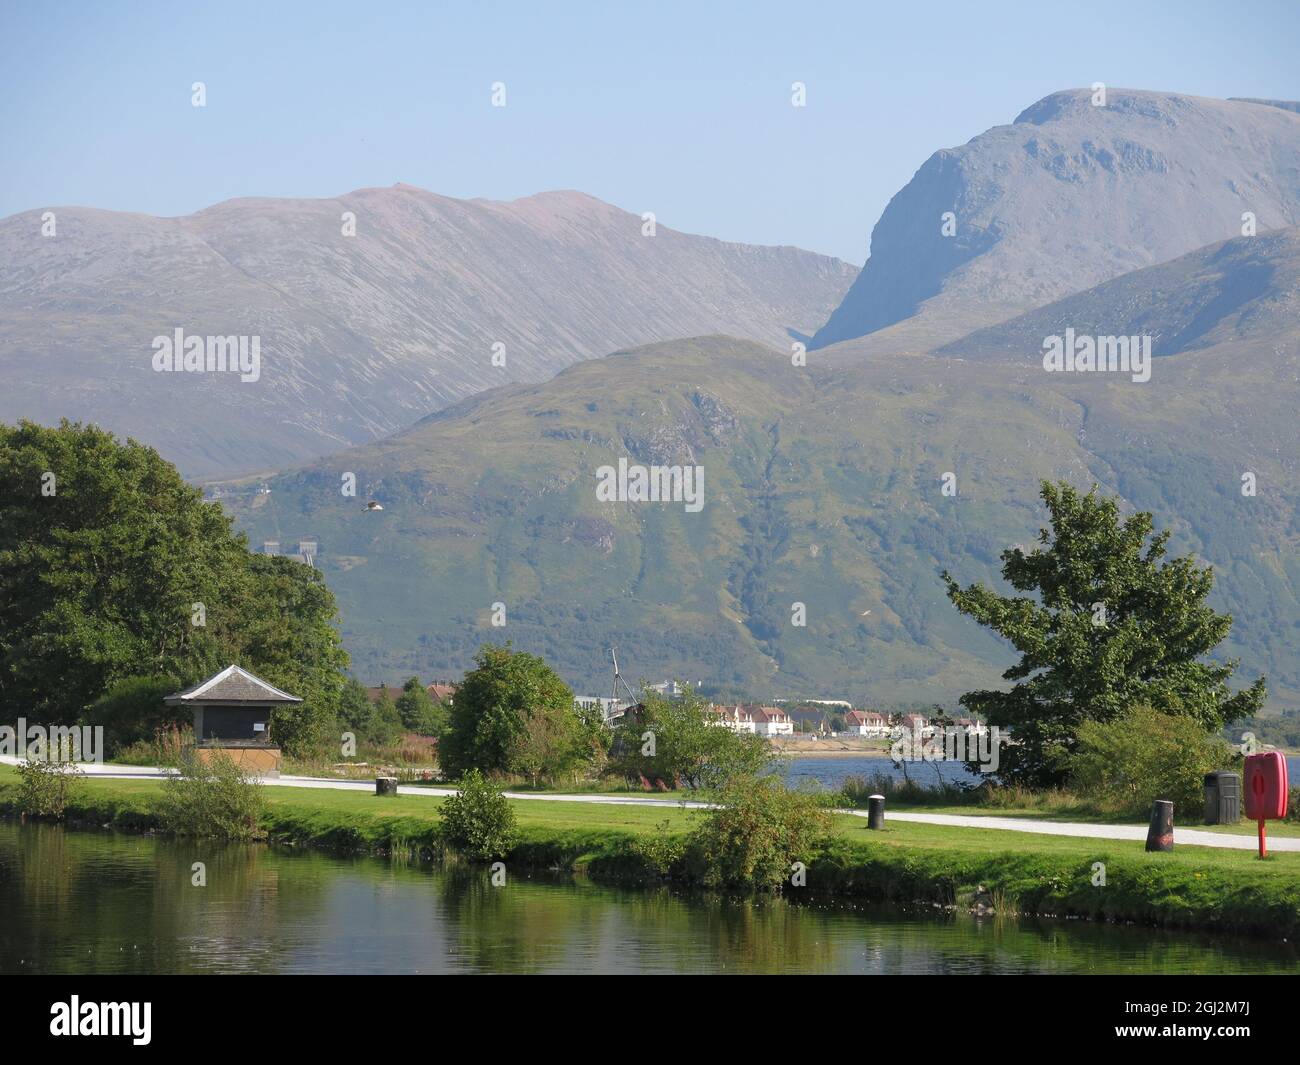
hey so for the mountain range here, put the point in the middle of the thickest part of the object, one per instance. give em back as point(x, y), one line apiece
point(824, 482)
point(823, 486)
point(1072, 193)
point(361, 334)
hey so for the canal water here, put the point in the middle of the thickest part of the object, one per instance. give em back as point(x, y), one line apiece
point(99, 902)
point(831, 772)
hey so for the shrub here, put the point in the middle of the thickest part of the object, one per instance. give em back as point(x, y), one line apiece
point(690, 747)
point(513, 714)
point(304, 729)
point(132, 711)
point(479, 821)
point(661, 850)
point(385, 727)
point(1126, 764)
point(212, 798)
point(45, 787)
point(756, 832)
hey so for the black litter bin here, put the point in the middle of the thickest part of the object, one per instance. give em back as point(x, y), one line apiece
point(1222, 798)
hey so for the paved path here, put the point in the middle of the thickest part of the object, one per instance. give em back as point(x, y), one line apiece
point(1082, 830)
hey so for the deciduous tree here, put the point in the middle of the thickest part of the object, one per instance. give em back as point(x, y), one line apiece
point(1110, 624)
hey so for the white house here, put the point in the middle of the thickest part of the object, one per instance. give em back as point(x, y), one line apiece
point(866, 723)
point(760, 720)
point(670, 689)
point(736, 718)
point(769, 721)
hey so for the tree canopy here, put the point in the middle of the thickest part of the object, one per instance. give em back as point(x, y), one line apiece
point(1112, 625)
point(111, 567)
point(420, 712)
point(513, 714)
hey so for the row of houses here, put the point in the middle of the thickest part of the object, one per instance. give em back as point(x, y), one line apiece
point(760, 720)
point(866, 723)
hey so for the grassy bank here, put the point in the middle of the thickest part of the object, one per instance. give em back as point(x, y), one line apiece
point(1192, 887)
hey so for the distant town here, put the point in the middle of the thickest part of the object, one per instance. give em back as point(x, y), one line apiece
point(811, 718)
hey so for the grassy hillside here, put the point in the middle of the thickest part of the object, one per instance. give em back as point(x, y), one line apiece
point(822, 486)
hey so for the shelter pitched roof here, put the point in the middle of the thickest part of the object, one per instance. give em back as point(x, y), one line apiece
point(232, 685)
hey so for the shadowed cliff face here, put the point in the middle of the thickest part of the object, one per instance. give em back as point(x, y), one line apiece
point(1239, 291)
point(1070, 195)
point(360, 335)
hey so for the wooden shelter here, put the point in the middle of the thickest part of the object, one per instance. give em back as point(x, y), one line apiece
point(232, 714)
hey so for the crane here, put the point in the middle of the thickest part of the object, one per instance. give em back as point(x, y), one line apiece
point(618, 680)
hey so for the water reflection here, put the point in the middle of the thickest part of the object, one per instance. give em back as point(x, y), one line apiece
point(99, 902)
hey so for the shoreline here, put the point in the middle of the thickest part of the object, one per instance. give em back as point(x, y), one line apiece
point(1184, 890)
point(832, 752)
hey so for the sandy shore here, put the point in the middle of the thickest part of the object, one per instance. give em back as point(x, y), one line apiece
point(827, 749)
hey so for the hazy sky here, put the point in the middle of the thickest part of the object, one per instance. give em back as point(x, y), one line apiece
point(681, 109)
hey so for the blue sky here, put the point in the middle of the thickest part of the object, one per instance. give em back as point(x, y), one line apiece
point(681, 109)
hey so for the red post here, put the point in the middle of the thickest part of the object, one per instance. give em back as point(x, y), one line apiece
point(1263, 841)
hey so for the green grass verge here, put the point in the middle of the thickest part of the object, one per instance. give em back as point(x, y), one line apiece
point(1192, 887)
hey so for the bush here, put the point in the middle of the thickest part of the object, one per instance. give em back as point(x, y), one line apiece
point(45, 787)
point(385, 728)
point(690, 746)
point(662, 850)
point(479, 821)
point(132, 711)
point(303, 729)
point(212, 798)
point(1126, 764)
point(757, 831)
point(513, 714)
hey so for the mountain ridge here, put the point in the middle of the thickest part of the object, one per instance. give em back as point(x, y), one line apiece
point(823, 488)
point(1069, 195)
point(1247, 288)
point(361, 334)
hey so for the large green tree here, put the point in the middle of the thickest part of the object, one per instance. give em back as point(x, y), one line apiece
point(285, 632)
point(1111, 624)
point(512, 714)
point(112, 567)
